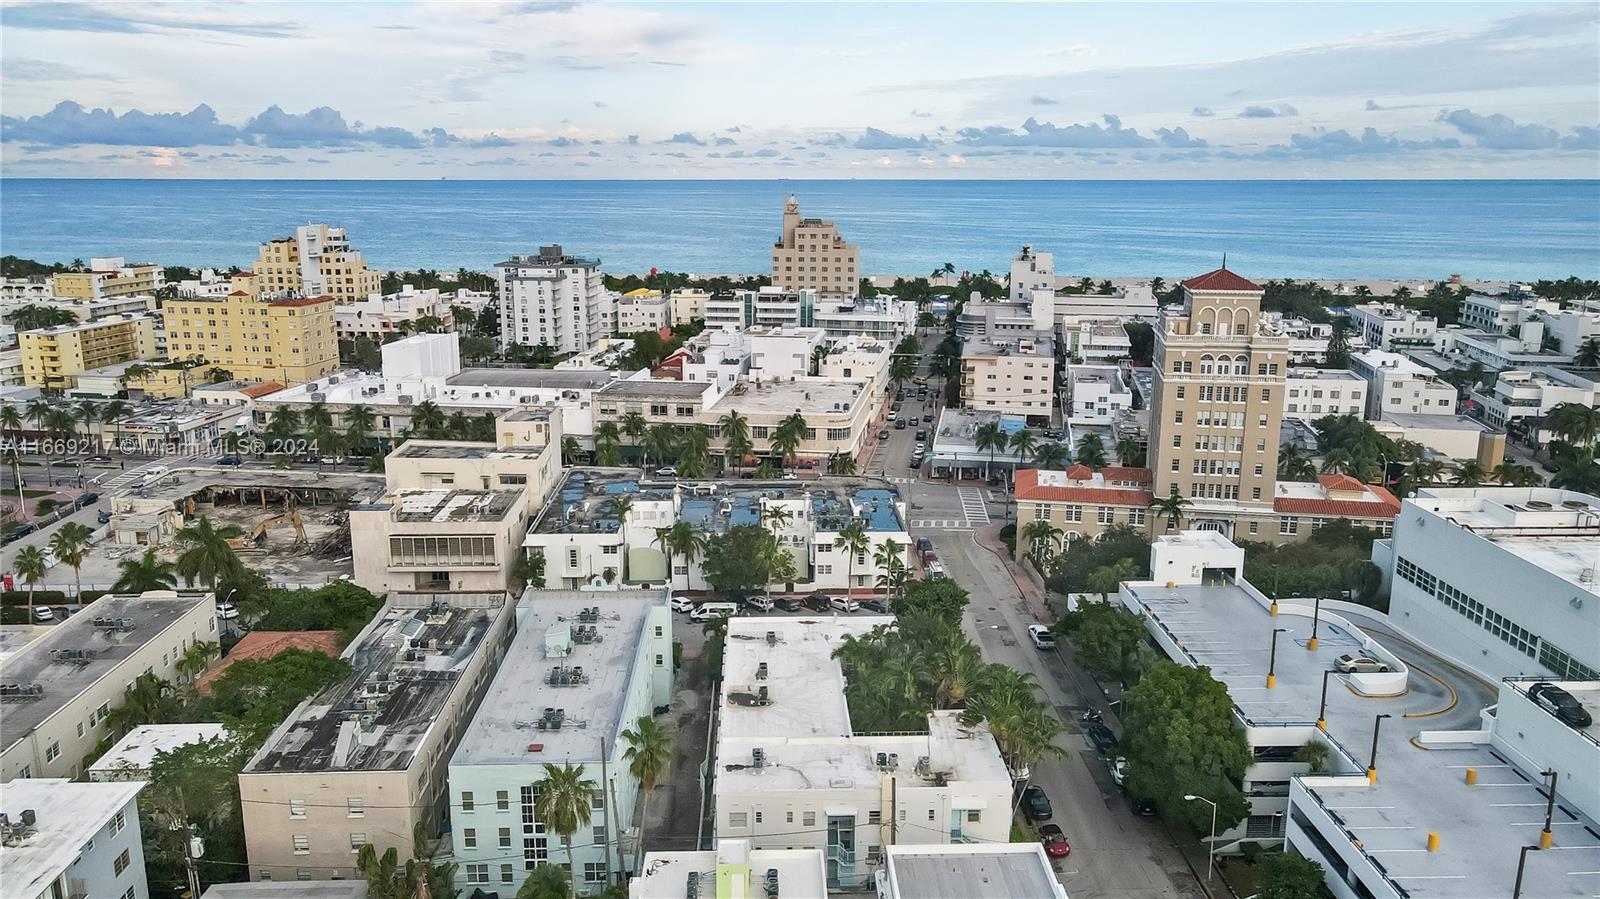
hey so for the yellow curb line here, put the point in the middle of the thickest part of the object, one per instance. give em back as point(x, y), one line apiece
point(1454, 698)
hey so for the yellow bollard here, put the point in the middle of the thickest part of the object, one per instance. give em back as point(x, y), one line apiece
point(1472, 776)
point(1546, 839)
point(1372, 775)
point(1272, 681)
point(1311, 644)
point(1433, 841)
point(1274, 610)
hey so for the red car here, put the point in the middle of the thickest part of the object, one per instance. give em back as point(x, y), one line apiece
point(1055, 842)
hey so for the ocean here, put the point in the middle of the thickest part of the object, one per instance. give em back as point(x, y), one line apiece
point(1483, 230)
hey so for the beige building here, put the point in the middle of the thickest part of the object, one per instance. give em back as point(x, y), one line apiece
point(314, 261)
point(811, 254)
point(643, 310)
point(59, 689)
point(53, 357)
point(108, 278)
point(1012, 376)
point(454, 513)
point(366, 760)
point(688, 305)
point(290, 341)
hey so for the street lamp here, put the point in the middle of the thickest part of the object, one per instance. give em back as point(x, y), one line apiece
point(1211, 847)
point(1322, 709)
point(1546, 838)
point(1372, 762)
point(1272, 660)
point(1316, 618)
point(1522, 860)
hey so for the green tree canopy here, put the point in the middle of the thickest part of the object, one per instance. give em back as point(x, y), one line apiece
point(1288, 875)
point(938, 597)
point(737, 561)
point(1181, 739)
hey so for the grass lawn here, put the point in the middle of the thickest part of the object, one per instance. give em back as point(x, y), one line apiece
point(35, 494)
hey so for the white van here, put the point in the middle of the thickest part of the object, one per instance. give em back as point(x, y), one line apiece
point(713, 609)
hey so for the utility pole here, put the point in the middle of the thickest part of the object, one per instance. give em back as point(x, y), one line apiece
point(614, 826)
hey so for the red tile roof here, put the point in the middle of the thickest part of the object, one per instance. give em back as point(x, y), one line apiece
point(265, 645)
point(1028, 489)
point(306, 301)
point(1382, 505)
point(1126, 474)
point(1340, 482)
point(1221, 279)
point(261, 389)
point(238, 293)
point(1079, 472)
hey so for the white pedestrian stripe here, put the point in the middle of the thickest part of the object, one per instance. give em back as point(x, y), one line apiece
point(131, 476)
point(942, 524)
point(972, 505)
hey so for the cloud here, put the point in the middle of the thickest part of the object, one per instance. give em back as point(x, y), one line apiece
point(875, 139)
point(1335, 144)
point(1203, 112)
point(685, 137)
point(1372, 106)
point(18, 69)
point(320, 127)
point(564, 142)
point(1075, 50)
point(504, 160)
point(765, 153)
point(490, 140)
point(69, 124)
point(1178, 138)
point(1267, 112)
point(1037, 100)
point(677, 155)
point(1500, 132)
point(127, 18)
point(1582, 138)
point(273, 160)
point(726, 142)
point(919, 114)
point(1086, 135)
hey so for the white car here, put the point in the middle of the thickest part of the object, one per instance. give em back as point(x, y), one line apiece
point(43, 613)
point(227, 610)
point(1119, 770)
point(668, 472)
point(843, 604)
point(1041, 636)
point(1351, 663)
point(921, 448)
point(682, 604)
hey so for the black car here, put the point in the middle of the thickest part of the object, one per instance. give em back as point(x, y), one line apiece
point(1035, 804)
point(788, 604)
point(916, 462)
point(87, 499)
point(1103, 739)
point(876, 605)
point(900, 424)
point(928, 419)
point(1144, 807)
point(924, 544)
point(922, 433)
point(98, 458)
point(1561, 704)
point(817, 602)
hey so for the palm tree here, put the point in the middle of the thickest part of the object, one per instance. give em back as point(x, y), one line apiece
point(607, 444)
point(204, 553)
point(1575, 423)
point(660, 441)
point(70, 545)
point(1469, 474)
point(10, 418)
point(842, 464)
point(1092, 452)
point(887, 556)
point(30, 565)
point(148, 572)
point(39, 410)
point(818, 354)
point(427, 418)
point(779, 563)
point(285, 423)
point(1295, 465)
point(957, 669)
point(1022, 444)
point(565, 801)
point(1422, 473)
point(694, 451)
point(88, 413)
point(317, 416)
point(147, 701)
point(1172, 507)
point(1049, 456)
point(735, 430)
point(358, 423)
point(774, 517)
point(1510, 474)
point(989, 438)
point(1128, 451)
point(1588, 355)
point(570, 450)
point(634, 425)
point(786, 440)
point(195, 659)
point(1338, 461)
point(649, 756)
point(681, 541)
point(544, 882)
point(1041, 537)
point(853, 540)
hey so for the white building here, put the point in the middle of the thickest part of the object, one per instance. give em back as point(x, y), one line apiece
point(1098, 394)
point(1454, 437)
point(884, 317)
point(1003, 319)
point(1385, 326)
point(1031, 271)
point(65, 840)
point(1498, 313)
point(792, 773)
point(1308, 340)
point(11, 368)
point(382, 315)
point(607, 354)
point(1524, 396)
point(594, 663)
point(1572, 327)
point(790, 873)
point(858, 358)
point(130, 757)
point(643, 310)
point(1524, 349)
point(770, 306)
point(1396, 384)
point(25, 290)
point(968, 869)
point(1096, 343)
point(1311, 393)
point(1133, 302)
point(554, 300)
point(1013, 376)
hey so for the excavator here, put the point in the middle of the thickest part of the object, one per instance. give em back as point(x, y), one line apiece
point(258, 535)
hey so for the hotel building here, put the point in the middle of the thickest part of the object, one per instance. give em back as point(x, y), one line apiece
point(811, 255)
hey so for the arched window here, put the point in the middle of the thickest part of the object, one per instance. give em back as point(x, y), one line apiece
point(1206, 363)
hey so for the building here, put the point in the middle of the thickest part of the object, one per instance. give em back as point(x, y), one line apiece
point(1500, 579)
point(1012, 376)
point(53, 357)
point(885, 318)
point(11, 368)
point(365, 760)
point(858, 358)
point(1500, 312)
point(1096, 343)
point(295, 889)
point(554, 300)
point(1396, 384)
point(109, 278)
point(1031, 271)
point(1097, 394)
point(1309, 340)
point(382, 317)
point(955, 445)
point(265, 645)
point(791, 873)
point(1082, 503)
point(781, 353)
point(1391, 328)
point(1525, 347)
point(1520, 398)
point(792, 773)
point(1002, 319)
point(59, 688)
point(314, 261)
point(595, 663)
point(643, 310)
point(688, 305)
point(1447, 436)
point(290, 341)
point(24, 291)
point(772, 307)
point(1572, 327)
point(130, 757)
point(65, 840)
point(241, 395)
point(607, 354)
point(452, 516)
point(1311, 393)
point(810, 254)
point(1301, 507)
point(169, 427)
point(964, 869)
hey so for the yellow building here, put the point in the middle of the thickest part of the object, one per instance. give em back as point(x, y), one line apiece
point(105, 284)
point(53, 357)
point(289, 341)
point(314, 261)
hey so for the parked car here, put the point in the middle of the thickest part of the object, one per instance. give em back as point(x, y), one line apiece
point(1103, 739)
point(883, 435)
point(1119, 770)
point(921, 448)
point(1035, 804)
point(17, 533)
point(104, 517)
point(876, 605)
point(713, 610)
point(900, 424)
point(668, 472)
point(227, 610)
point(85, 500)
point(924, 544)
point(43, 613)
point(788, 604)
point(919, 381)
point(759, 603)
point(98, 457)
point(817, 602)
point(1360, 663)
point(228, 460)
point(922, 434)
point(1055, 842)
point(934, 569)
point(893, 414)
point(843, 604)
point(1041, 636)
point(927, 419)
point(916, 462)
point(1144, 808)
point(682, 604)
point(1561, 704)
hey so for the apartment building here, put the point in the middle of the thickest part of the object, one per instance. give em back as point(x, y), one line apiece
point(1396, 384)
point(453, 513)
point(1311, 393)
point(1308, 340)
point(60, 688)
point(65, 840)
point(688, 305)
point(1385, 326)
point(968, 869)
point(382, 317)
point(791, 873)
point(882, 317)
point(314, 261)
point(793, 774)
point(1525, 348)
point(53, 357)
point(1097, 393)
point(1081, 503)
point(555, 300)
point(1031, 271)
point(772, 307)
point(366, 760)
point(1001, 319)
point(1096, 343)
point(643, 310)
point(290, 341)
point(130, 758)
point(108, 278)
point(1132, 302)
point(810, 254)
point(594, 662)
point(23, 291)
point(1012, 376)
point(1499, 313)
point(1521, 397)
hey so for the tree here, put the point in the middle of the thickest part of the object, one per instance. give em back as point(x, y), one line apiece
point(1107, 639)
point(545, 882)
point(196, 785)
point(1289, 875)
point(1588, 355)
point(70, 545)
point(196, 659)
point(1172, 508)
point(1295, 465)
point(204, 553)
point(148, 700)
point(1574, 423)
point(1022, 444)
point(1049, 456)
point(340, 606)
point(570, 450)
point(735, 430)
point(1129, 452)
point(842, 464)
point(735, 563)
point(788, 436)
point(1469, 474)
point(1041, 538)
point(30, 565)
point(148, 572)
point(1338, 355)
point(634, 425)
point(1314, 754)
point(854, 542)
point(565, 800)
point(1511, 474)
point(934, 598)
point(660, 441)
point(694, 451)
point(1092, 452)
point(607, 444)
point(427, 418)
point(358, 423)
point(1181, 740)
point(649, 755)
point(989, 438)
point(283, 424)
point(10, 418)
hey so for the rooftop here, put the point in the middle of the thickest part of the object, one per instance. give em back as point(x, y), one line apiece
point(1112, 486)
point(448, 505)
point(1428, 421)
point(1334, 496)
point(800, 872)
point(1324, 374)
point(654, 387)
point(1013, 871)
point(590, 500)
point(68, 815)
point(807, 395)
point(92, 324)
point(303, 889)
point(177, 413)
point(483, 388)
point(265, 645)
point(587, 641)
point(405, 665)
point(533, 378)
point(76, 653)
point(461, 449)
point(1042, 347)
point(1553, 530)
point(1221, 279)
point(138, 749)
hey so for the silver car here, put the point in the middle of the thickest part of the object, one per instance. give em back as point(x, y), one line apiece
point(1350, 663)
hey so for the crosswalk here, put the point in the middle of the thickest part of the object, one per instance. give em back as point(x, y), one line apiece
point(942, 524)
point(126, 478)
point(973, 505)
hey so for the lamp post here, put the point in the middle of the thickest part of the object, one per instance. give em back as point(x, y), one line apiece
point(1522, 861)
point(1316, 618)
point(1372, 762)
point(1546, 838)
point(1272, 659)
point(1322, 708)
point(1211, 847)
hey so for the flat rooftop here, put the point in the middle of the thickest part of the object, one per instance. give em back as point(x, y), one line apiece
point(801, 872)
point(1555, 530)
point(591, 500)
point(495, 388)
point(653, 387)
point(1016, 871)
point(554, 642)
point(1446, 422)
point(304, 889)
point(68, 816)
point(79, 651)
point(446, 505)
point(404, 667)
point(138, 749)
point(1324, 374)
point(176, 413)
point(562, 379)
point(1041, 347)
point(806, 396)
point(439, 449)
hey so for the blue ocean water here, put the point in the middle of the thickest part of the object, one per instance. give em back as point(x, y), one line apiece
point(1269, 229)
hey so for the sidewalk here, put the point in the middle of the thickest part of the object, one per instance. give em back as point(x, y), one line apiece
point(988, 537)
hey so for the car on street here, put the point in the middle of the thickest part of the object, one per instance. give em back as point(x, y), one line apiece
point(1144, 808)
point(1103, 739)
point(894, 414)
point(928, 419)
point(17, 533)
point(817, 602)
point(85, 500)
point(227, 611)
point(714, 610)
point(900, 425)
point(922, 434)
point(1119, 770)
point(1035, 804)
point(934, 569)
point(682, 604)
point(1360, 663)
point(843, 604)
point(43, 613)
point(788, 604)
point(924, 545)
point(916, 462)
point(921, 448)
point(104, 517)
point(758, 603)
point(920, 381)
point(668, 472)
point(228, 460)
point(1055, 842)
point(883, 435)
point(98, 458)
point(876, 605)
point(1041, 636)
point(1561, 704)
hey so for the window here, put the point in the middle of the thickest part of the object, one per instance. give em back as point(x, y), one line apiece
point(808, 819)
point(357, 840)
point(758, 817)
point(506, 875)
point(594, 872)
point(477, 874)
point(788, 817)
point(1074, 513)
point(53, 750)
point(118, 821)
point(738, 819)
point(505, 838)
point(1289, 525)
point(874, 817)
point(355, 807)
point(301, 844)
point(297, 808)
point(1105, 514)
point(974, 816)
point(502, 798)
point(1136, 516)
point(469, 838)
point(1255, 526)
point(467, 804)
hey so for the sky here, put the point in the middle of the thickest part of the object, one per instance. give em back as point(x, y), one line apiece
point(566, 90)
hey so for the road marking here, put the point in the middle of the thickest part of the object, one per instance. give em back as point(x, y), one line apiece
point(972, 505)
point(942, 524)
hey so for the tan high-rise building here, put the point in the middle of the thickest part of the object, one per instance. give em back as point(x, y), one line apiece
point(811, 254)
point(107, 279)
point(315, 261)
point(54, 357)
point(290, 341)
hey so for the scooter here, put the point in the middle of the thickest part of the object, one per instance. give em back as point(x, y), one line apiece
point(1092, 716)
